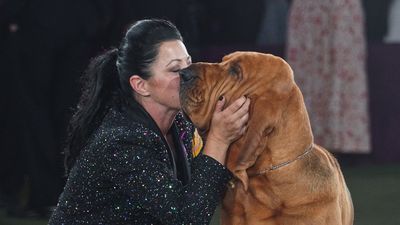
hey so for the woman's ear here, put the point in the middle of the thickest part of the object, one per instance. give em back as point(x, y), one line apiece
point(139, 85)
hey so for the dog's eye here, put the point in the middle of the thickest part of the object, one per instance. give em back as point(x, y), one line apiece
point(235, 70)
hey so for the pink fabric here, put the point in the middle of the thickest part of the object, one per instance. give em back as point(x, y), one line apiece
point(326, 49)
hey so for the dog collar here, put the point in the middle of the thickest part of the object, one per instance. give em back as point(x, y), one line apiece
point(271, 168)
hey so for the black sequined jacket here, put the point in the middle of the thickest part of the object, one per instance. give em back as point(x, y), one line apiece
point(127, 174)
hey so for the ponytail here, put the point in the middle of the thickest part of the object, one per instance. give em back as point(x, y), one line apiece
point(100, 85)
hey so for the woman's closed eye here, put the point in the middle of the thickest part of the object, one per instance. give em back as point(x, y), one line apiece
point(175, 70)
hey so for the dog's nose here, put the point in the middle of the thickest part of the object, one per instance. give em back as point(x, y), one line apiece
point(186, 75)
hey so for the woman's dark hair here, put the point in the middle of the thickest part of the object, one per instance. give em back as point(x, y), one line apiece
point(106, 81)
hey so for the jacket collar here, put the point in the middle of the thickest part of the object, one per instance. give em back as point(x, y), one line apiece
point(138, 113)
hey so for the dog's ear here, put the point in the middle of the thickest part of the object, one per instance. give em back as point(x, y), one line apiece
point(264, 115)
point(268, 102)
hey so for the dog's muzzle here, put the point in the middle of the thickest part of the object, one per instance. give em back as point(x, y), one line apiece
point(186, 75)
point(186, 84)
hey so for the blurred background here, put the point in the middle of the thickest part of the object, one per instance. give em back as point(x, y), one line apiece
point(345, 55)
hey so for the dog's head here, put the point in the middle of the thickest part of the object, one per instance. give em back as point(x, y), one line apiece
point(266, 79)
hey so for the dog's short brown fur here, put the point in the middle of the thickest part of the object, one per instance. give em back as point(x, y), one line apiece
point(308, 187)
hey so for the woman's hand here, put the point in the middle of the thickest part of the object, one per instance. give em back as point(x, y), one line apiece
point(227, 125)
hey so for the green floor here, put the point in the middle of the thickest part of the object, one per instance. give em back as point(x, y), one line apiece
point(375, 191)
point(376, 194)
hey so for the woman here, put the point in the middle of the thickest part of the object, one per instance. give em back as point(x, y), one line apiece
point(129, 156)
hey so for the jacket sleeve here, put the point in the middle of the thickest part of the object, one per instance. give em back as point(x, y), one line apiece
point(152, 187)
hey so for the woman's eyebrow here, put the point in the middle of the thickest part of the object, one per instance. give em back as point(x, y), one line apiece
point(178, 60)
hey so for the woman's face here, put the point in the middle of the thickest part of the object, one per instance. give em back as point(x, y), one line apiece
point(164, 82)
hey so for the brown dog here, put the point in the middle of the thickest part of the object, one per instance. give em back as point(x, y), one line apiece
point(282, 177)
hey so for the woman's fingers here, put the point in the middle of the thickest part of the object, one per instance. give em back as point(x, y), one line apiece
point(229, 124)
point(236, 105)
point(241, 124)
point(244, 109)
point(239, 120)
point(244, 119)
point(243, 130)
point(237, 113)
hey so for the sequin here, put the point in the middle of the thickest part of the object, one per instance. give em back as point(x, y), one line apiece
point(125, 176)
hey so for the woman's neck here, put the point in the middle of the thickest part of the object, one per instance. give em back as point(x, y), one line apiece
point(163, 116)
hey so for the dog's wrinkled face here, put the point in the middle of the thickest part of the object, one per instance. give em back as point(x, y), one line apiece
point(202, 84)
point(239, 74)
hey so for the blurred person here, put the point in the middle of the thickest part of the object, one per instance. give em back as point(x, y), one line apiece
point(131, 157)
point(393, 34)
point(326, 48)
point(376, 19)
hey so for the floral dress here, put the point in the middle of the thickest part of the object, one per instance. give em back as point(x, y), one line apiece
point(326, 49)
